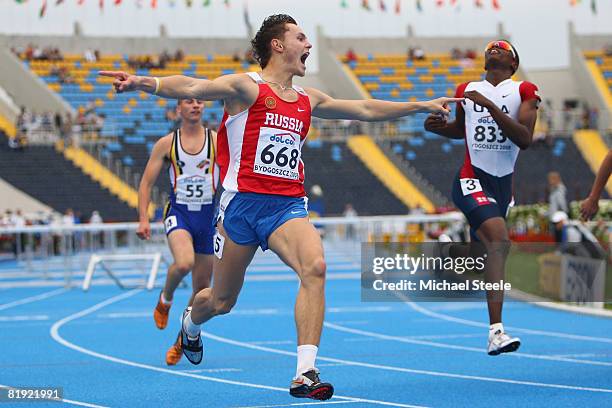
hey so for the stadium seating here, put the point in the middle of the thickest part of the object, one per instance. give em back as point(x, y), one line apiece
point(345, 179)
point(604, 64)
point(439, 159)
point(43, 173)
point(395, 78)
point(133, 122)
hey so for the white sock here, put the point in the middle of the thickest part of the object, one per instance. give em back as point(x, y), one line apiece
point(494, 328)
point(306, 356)
point(164, 300)
point(190, 328)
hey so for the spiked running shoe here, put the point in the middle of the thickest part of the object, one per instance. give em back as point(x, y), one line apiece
point(500, 342)
point(175, 352)
point(308, 385)
point(193, 349)
point(160, 314)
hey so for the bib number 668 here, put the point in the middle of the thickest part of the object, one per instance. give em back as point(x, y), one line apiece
point(280, 159)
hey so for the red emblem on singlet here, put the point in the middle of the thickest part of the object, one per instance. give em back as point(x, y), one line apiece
point(270, 102)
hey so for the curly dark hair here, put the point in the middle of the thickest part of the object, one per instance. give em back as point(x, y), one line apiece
point(273, 26)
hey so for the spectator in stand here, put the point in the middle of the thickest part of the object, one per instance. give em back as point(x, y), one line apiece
point(350, 214)
point(419, 53)
point(95, 218)
point(179, 55)
point(456, 54)
point(557, 199)
point(471, 54)
point(236, 56)
point(316, 205)
point(594, 118)
point(248, 57)
point(350, 56)
point(89, 56)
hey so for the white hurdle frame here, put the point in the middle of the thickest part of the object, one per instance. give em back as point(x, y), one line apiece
point(96, 259)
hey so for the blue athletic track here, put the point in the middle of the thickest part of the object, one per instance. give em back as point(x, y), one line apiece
point(104, 350)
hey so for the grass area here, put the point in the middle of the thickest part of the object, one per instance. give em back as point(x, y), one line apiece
point(523, 271)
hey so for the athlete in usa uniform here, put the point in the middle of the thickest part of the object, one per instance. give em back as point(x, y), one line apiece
point(264, 204)
point(496, 120)
point(189, 153)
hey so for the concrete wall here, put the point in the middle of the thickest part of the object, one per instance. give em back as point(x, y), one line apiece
point(13, 199)
point(77, 44)
point(26, 88)
point(581, 76)
point(400, 45)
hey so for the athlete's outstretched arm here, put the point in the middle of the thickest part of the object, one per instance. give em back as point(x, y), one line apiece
point(154, 165)
point(521, 131)
point(371, 110)
point(590, 206)
point(453, 130)
point(178, 86)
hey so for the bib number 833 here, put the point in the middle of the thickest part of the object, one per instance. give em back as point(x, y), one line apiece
point(489, 134)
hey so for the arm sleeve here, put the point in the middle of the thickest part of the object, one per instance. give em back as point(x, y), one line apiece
point(529, 91)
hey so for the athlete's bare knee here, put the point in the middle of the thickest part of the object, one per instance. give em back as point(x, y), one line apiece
point(313, 273)
point(184, 267)
point(499, 246)
point(202, 296)
point(225, 305)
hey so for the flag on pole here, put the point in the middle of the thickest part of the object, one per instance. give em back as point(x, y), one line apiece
point(206, 3)
point(439, 3)
point(496, 5)
point(118, 2)
point(365, 4)
point(80, 2)
point(343, 4)
point(478, 3)
point(594, 6)
point(419, 6)
point(398, 6)
point(101, 4)
point(43, 9)
point(383, 6)
point(58, 2)
point(247, 19)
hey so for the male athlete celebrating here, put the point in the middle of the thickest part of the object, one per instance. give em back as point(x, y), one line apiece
point(264, 126)
point(496, 120)
point(190, 154)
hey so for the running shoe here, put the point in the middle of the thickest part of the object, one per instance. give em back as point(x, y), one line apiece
point(193, 349)
point(160, 314)
point(308, 385)
point(175, 352)
point(500, 342)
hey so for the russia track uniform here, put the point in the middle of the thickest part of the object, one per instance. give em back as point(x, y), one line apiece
point(259, 153)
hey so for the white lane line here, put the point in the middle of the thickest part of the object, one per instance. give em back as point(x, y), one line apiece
point(410, 370)
point(31, 299)
point(300, 404)
point(54, 332)
point(25, 318)
point(466, 322)
point(214, 370)
point(255, 312)
point(478, 350)
point(82, 404)
point(292, 277)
